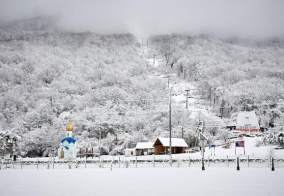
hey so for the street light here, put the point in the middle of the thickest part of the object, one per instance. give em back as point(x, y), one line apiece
point(170, 126)
point(170, 119)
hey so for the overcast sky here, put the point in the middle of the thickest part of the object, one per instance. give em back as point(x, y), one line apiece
point(257, 18)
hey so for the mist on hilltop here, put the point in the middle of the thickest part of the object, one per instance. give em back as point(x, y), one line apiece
point(254, 18)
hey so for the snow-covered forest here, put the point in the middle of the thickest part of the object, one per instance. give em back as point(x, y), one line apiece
point(232, 74)
point(108, 88)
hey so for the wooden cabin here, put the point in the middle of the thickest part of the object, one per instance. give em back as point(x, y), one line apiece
point(162, 145)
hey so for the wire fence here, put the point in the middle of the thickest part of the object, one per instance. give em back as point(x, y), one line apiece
point(141, 162)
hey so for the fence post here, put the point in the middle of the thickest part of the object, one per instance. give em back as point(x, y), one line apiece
point(37, 164)
point(272, 163)
point(248, 160)
point(189, 161)
point(53, 162)
point(118, 162)
point(136, 161)
point(86, 161)
point(238, 163)
point(208, 161)
point(69, 164)
point(21, 163)
point(227, 160)
point(153, 160)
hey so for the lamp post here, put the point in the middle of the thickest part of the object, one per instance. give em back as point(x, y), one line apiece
point(170, 118)
point(170, 127)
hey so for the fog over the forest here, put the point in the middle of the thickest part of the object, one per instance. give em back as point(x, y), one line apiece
point(246, 18)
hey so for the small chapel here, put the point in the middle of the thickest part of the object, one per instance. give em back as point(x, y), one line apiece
point(68, 146)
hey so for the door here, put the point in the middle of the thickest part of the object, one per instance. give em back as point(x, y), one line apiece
point(62, 153)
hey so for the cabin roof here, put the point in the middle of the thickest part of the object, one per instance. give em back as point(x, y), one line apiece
point(144, 145)
point(176, 142)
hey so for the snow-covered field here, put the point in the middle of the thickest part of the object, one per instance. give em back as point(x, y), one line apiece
point(141, 181)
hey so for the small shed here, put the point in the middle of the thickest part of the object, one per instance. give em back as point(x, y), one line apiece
point(144, 148)
point(162, 145)
point(130, 152)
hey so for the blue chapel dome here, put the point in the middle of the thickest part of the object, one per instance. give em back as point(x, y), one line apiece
point(69, 140)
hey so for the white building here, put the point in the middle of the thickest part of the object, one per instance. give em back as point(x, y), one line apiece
point(245, 122)
point(144, 148)
point(68, 146)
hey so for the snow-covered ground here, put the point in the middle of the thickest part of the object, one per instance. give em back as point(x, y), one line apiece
point(143, 182)
point(259, 157)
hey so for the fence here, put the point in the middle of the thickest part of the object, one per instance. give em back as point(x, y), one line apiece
point(142, 162)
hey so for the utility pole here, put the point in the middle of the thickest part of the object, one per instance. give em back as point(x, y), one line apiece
point(170, 127)
point(100, 141)
point(187, 94)
point(221, 111)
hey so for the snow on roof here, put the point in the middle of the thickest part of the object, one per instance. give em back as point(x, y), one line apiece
point(178, 142)
point(69, 140)
point(129, 149)
point(144, 145)
point(247, 118)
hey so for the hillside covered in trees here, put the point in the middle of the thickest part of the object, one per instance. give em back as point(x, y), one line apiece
point(107, 87)
point(232, 74)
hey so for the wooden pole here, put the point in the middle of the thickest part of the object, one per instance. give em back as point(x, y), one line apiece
point(202, 162)
point(227, 160)
point(248, 160)
point(21, 163)
point(272, 163)
point(153, 160)
point(37, 164)
point(208, 161)
point(189, 161)
point(136, 161)
point(238, 163)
